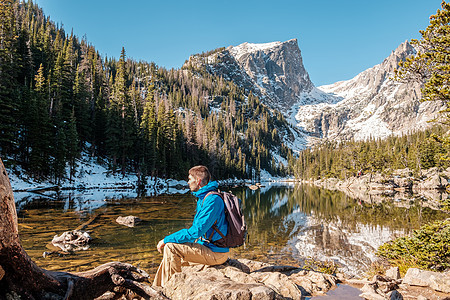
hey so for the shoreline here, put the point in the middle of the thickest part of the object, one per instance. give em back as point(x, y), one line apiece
point(431, 187)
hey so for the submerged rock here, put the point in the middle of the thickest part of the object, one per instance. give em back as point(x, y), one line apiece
point(246, 279)
point(72, 240)
point(129, 221)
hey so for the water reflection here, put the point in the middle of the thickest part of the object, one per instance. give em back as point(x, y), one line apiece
point(329, 225)
point(286, 224)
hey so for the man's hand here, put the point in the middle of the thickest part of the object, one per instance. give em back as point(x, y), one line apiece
point(160, 246)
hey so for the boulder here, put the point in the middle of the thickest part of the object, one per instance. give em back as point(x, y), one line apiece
point(403, 183)
point(280, 283)
point(313, 282)
point(211, 283)
point(393, 273)
point(246, 279)
point(129, 221)
point(433, 179)
point(437, 281)
point(395, 295)
point(74, 240)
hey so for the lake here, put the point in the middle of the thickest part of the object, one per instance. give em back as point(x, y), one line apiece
point(287, 223)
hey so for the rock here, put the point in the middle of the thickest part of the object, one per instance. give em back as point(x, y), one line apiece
point(253, 187)
point(246, 279)
point(370, 287)
point(72, 240)
point(279, 283)
point(239, 276)
point(437, 281)
point(129, 221)
point(379, 278)
point(386, 287)
point(420, 297)
point(247, 265)
point(433, 180)
point(380, 288)
point(313, 282)
point(213, 284)
point(395, 295)
point(393, 273)
point(372, 296)
point(403, 183)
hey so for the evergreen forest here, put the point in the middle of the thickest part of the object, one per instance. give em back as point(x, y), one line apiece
point(59, 98)
point(330, 159)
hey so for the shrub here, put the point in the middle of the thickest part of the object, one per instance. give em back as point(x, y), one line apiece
point(427, 248)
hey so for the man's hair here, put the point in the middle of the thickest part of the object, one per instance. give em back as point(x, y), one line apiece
point(202, 173)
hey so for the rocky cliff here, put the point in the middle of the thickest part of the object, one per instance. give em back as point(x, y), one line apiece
point(372, 104)
point(272, 71)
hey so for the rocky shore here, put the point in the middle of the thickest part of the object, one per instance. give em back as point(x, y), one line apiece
point(431, 186)
point(246, 279)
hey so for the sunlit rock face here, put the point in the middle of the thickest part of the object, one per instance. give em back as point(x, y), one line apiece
point(370, 105)
point(276, 69)
point(272, 71)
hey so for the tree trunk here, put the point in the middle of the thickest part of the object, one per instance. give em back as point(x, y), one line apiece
point(20, 276)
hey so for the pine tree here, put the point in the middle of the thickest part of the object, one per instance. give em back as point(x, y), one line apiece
point(38, 128)
point(8, 83)
point(72, 149)
point(431, 65)
point(149, 129)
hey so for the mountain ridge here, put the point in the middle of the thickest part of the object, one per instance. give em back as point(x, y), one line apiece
point(370, 105)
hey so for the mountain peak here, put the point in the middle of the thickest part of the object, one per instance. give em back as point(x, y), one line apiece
point(404, 47)
point(276, 69)
point(245, 48)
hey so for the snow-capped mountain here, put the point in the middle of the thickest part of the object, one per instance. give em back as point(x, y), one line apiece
point(276, 69)
point(272, 71)
point(372, 104)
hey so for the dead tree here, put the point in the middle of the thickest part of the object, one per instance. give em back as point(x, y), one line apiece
point(20, 276)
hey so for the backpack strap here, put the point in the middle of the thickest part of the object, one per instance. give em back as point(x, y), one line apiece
point(212, 193)
point(214, 226)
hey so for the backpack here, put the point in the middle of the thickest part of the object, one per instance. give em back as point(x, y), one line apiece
point(237, 228)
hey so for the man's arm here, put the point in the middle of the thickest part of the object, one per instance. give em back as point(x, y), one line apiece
point(160, 246)
point(209, 212)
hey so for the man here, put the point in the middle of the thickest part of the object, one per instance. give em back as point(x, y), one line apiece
point(190, 246)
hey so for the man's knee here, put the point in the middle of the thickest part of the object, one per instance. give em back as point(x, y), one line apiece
point(170, 247)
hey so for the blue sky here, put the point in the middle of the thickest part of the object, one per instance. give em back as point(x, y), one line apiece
point(338, 39)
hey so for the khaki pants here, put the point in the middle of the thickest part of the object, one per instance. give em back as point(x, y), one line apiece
point(177, 255)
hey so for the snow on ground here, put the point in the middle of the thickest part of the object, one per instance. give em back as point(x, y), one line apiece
point(370, 123)
point(94, 185)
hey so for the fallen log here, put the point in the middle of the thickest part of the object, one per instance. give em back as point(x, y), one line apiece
point(20, 276)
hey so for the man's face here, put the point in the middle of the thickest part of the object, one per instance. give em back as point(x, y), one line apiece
point(194, 184)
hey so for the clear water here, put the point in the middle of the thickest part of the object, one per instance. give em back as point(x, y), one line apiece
point(286, 225)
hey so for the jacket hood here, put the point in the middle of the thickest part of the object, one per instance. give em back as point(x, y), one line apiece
point(211, 186)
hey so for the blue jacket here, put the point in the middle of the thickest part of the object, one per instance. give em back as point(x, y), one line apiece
point(208, 211)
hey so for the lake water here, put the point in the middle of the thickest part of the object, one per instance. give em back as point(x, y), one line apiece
point(286, 225)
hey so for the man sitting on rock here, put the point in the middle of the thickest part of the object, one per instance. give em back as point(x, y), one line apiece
point(190, 246)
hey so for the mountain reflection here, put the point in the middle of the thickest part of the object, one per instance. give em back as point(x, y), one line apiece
point(304, 221)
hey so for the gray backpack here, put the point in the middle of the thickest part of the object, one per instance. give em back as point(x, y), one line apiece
point(237, 229)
